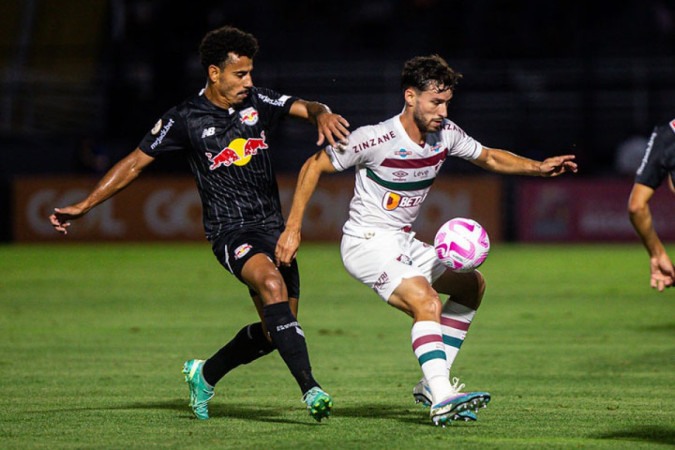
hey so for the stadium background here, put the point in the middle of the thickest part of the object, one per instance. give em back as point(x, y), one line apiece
point(82, 81)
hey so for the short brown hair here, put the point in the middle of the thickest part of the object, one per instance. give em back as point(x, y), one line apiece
point(424, 72)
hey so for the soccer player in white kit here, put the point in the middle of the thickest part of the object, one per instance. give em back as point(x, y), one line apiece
point(396, 162)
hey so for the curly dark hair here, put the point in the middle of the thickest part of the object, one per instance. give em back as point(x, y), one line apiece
point(217, 45)
point(424, 72)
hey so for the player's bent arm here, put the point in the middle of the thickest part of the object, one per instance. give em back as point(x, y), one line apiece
point(641, 217)
point(308, 179)
point(505, 162)
point(331, 127)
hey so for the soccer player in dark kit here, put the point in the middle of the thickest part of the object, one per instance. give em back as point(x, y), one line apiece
point(223, 132)
point(658, 165)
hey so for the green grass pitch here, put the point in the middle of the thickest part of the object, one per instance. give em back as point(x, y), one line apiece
point(575, 348)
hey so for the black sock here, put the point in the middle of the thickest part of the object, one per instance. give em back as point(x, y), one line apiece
point(248, 345)
point(290, 341)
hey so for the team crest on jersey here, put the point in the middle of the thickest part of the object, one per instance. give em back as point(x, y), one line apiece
point(248, 116)
point(405, 259)
point(238, 152)
point(672, 125)
point(392, 200)
point(242, 250)
point(402, 153)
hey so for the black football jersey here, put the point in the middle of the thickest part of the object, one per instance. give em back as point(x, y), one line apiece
point(659, 158)
point(229, 155)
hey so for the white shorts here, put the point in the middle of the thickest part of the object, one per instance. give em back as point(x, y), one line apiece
point(382, 260)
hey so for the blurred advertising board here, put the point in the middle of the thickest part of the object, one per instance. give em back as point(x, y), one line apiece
point(586, 210)
point(164, 209)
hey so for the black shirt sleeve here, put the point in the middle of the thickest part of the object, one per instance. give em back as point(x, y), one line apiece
point(167, 135)
point(659, 158)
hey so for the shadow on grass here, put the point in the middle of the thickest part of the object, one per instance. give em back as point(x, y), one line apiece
point(660, 435)
point(268, 414)
point(259, 413)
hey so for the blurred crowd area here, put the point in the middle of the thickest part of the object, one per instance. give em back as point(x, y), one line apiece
point(83, 80)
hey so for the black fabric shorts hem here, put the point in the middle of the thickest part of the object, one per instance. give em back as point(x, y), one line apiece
point(234, 249)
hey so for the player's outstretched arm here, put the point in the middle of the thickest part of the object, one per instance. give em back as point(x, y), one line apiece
point(502, 161)
point(662, 273)
point(331, 127)
point(308, 178)
point(116, 179)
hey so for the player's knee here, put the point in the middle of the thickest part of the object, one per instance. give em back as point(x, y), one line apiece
point(271, 289)
point(481, 285)
point(425, 304)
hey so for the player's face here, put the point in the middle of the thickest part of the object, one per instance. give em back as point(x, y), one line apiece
point(233, 82)
point(431, 107)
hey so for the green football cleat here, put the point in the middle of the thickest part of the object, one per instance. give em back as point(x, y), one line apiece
point(200, 391)
point(319, 403)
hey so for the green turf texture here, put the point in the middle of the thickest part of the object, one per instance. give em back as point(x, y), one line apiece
point(575, 348)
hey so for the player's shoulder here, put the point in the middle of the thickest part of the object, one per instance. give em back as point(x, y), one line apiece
point(451, 127)
point(193, 103)
point(372, 136)
point(269, 97)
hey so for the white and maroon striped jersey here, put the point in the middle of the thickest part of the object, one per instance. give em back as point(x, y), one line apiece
point(393, 173)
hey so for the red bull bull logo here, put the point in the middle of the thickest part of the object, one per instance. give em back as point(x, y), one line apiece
point(238, 152)
point(249, 116)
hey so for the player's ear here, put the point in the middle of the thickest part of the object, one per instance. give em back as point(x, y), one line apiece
point(214, 73)
point(409, 96)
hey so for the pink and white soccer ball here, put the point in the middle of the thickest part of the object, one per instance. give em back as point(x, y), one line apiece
point(462, 244)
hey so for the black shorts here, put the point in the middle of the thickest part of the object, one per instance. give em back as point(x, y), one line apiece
point(234, 249)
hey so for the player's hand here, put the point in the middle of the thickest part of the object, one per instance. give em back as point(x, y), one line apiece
point(287, 247)
point(333, 128)
point(557, 165)
point(61, 217)
point(662, 272)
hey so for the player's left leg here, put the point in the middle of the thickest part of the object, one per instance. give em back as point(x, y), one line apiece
point(265, 278)
point(466, 292)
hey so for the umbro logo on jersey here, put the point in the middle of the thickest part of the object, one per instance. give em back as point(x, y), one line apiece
point(208, 132)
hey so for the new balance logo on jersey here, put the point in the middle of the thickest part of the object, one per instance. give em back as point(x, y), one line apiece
point(208, 132)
